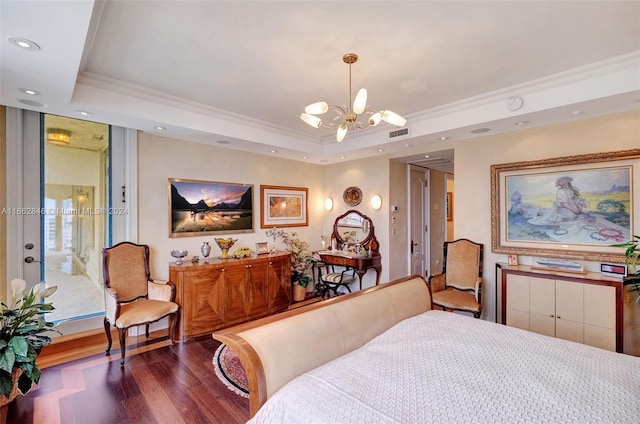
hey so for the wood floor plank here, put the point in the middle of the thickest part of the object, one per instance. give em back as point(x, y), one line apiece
point(160, 383)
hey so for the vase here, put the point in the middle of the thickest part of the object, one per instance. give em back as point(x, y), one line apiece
point(4, 401)
point(205, 249)
point(299, 292)
point(225, 245)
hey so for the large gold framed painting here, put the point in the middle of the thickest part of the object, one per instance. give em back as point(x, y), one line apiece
point(199, 208)
point(568, 207)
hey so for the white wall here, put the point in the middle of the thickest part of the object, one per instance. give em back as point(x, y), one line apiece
point(161, 158)
point(473, 160)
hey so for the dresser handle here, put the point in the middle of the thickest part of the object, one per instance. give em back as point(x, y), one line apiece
point(223, 269)
point(559, 317)
point(551, 315)
point(248, 266)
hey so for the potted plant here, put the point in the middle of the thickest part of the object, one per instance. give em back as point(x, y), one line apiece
point(22, 325)
point(301, 259)
point(632, 255)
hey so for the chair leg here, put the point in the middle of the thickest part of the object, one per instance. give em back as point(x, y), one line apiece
point(107, 330)
point(123, 336)
point(172, 326)
point(146, 331)
point(476, 314)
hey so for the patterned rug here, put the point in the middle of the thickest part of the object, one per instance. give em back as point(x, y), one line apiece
point(230, 371)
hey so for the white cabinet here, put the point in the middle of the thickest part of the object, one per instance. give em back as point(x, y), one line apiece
point(585, 311)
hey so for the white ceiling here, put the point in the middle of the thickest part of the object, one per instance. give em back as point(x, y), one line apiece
point(241, 72)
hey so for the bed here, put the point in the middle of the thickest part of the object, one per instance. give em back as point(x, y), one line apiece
point(417, 365)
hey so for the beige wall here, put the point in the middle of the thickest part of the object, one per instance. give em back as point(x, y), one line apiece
point(473, 159)
point(398, 242)
point(3, 202)
point(372, 177)
point(161, 158)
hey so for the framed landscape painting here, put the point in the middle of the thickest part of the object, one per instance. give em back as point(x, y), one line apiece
point(283, 206)
point(572, 207)
point(202, 207)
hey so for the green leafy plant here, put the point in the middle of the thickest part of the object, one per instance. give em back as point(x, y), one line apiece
point(301, 258)
point(632, 255)
point(22, 325)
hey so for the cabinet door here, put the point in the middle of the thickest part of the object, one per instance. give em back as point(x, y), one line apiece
point(518, 301)
point(543, 306)
point(570, 310)
point(600, 316)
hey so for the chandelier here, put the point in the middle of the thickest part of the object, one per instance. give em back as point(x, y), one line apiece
point(347, 116)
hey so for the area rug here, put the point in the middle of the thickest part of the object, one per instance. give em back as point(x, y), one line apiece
point(230, 371)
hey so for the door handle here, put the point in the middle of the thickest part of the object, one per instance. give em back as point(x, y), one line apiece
point(30, 259)
point(412, 245)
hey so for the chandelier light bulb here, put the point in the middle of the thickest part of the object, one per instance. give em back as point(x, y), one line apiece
point(314, 121)
point(342, 131)
point(393, 118)
point(360, 103)
point(317, 108)
point(375, 119)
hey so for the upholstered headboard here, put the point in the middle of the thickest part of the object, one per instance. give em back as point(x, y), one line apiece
point(276, 349)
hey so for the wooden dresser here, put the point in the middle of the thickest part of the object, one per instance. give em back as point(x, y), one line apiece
point(220, 293)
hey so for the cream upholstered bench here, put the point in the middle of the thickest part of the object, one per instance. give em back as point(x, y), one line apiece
point(276, 349)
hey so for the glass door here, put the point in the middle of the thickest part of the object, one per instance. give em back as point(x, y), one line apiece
point(74, 225)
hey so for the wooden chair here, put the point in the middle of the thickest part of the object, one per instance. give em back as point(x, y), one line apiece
point(458, 286)
point(131, 297)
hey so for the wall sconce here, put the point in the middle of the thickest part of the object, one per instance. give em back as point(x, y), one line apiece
point(328, 203)
point(376, 202)
point(58, 137)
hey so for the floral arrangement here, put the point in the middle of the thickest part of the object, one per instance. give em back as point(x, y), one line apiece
point(301, 258)
point(21, 326)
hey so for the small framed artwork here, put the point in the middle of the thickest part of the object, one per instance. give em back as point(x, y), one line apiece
point(513, 259)
point(283, 206)
point(262, 248)
point(613, 270)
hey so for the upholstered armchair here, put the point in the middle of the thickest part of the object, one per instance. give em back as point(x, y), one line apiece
point(458, 286)
point(131, 297)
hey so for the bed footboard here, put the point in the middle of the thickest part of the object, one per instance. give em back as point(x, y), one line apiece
point(276, 349)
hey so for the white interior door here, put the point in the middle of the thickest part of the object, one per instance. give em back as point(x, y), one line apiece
point(418, 185)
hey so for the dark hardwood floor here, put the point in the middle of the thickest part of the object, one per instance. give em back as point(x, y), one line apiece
point(160, 383)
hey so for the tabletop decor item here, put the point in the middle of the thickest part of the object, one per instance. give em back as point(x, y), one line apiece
point(205, 249)
point(632, 257)
point(22, 325)
point(179, 254)
point(225, 245)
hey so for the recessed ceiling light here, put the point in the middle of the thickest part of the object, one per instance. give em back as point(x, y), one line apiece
point(273, 151)
point(341, 157)
point(24, 43)
point(577, 112)
point(31, 103)
point(520, 123)
point(380, 150)
point(426, 156)
point(407, 145)
point(480, 130)
point(304, 157)
point(159, 128)
point(29, 92)
point(83, 113)
point(444, 137)
point(223, 142)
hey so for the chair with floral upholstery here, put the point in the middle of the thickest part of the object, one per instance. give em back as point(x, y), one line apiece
point(131, 297)
point(458, 286)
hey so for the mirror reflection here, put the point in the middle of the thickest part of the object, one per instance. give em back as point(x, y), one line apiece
point(354, 228)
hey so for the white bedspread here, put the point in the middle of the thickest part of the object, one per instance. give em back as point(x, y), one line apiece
point(440, 367)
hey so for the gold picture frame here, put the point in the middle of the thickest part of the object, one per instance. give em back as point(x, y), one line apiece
point(529, 213)
point(282, 206)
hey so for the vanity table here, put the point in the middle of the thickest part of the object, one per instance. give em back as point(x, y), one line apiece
point(349, 230)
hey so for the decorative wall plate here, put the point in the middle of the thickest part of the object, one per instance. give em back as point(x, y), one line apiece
point(352, 196)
